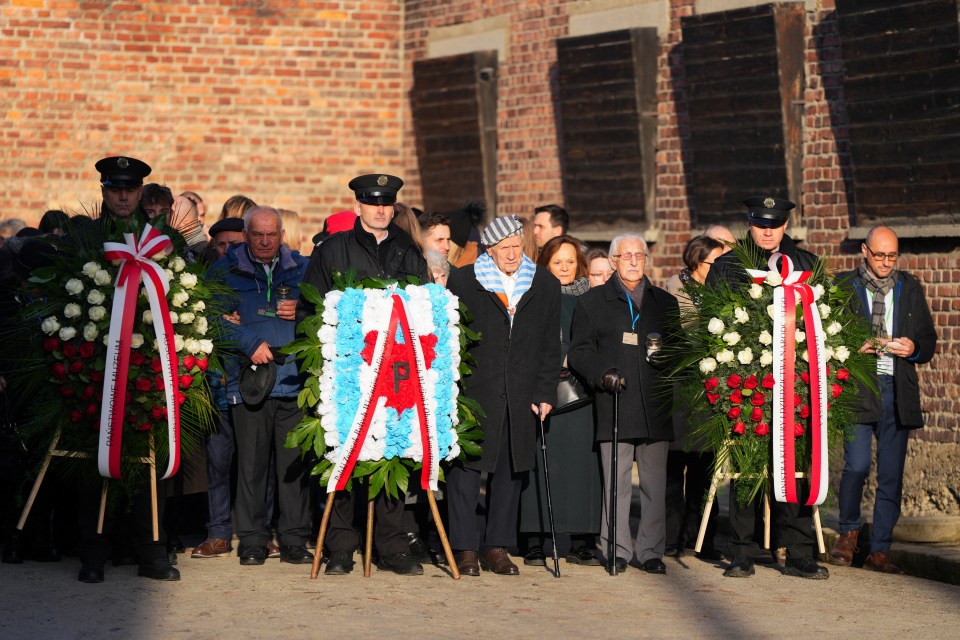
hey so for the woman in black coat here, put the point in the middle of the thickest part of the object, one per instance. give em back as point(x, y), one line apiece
point(611, 329)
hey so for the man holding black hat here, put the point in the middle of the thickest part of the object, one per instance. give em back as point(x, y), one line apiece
point(768, 219)
point(375, 247)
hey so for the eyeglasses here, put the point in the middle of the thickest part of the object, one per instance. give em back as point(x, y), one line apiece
point(640, 256)
point(883, 257)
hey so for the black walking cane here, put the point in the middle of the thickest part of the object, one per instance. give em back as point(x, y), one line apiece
point(612, 543)
point(546, 479)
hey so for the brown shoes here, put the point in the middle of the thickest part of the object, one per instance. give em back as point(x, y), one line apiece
point(880, 561)
point(212, 548)
point(843, 550)
point(496, 559)
point(468, 563)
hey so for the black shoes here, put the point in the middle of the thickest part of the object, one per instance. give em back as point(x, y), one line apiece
point(295, 554)
point(254, 554)
point(655, 565)
point(741, 567)
point(805, 567)
point(339, 564)
point(158, 570)
point(91, 574)
point(582, 556)
point(621, 565)
point(535, 557)
point(401, 563)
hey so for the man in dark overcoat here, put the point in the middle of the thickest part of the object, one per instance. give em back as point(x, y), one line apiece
point(768, 218)
point(516, 308)
point(613, 327)
point(893, 301)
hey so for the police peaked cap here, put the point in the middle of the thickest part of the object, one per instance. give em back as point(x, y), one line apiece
point(376, 188)
point(122, 172)
point(768, 211)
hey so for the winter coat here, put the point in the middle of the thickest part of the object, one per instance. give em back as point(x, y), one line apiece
point(911, 319)
point(515, 367)
point(248, 281)
point(601, 321)
point(728, 268)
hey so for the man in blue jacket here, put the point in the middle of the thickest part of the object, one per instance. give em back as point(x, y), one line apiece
point(257, 271)
point(893, 302)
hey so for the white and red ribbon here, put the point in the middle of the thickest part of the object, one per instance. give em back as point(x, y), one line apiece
point(792, 286)
point(136, 265)
point(374, 399)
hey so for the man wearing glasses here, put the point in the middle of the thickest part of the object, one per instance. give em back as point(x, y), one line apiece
point(768, 219)
point(894, 304)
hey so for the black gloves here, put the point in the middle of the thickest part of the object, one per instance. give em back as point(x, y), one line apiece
point(611, 381)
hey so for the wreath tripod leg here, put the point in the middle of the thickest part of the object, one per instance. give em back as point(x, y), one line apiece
point(318, 553)
point(36, 483)
point(447, 551)
point(816, 522)
point(367, 556)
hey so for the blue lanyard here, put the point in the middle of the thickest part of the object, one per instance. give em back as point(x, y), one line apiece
point(633, 318)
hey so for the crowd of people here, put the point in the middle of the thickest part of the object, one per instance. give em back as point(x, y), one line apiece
point(549, 308)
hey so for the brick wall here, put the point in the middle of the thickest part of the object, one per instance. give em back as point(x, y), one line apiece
point(281, 100)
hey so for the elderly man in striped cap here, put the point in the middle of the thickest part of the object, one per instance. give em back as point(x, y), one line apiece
point(516, 307)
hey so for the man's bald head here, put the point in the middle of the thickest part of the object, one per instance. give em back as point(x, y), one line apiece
point(721, 233)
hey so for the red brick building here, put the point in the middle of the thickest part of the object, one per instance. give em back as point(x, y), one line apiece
point(657, 115)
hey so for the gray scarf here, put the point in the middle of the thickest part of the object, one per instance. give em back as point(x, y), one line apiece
point(879, 287)
point(575, 288)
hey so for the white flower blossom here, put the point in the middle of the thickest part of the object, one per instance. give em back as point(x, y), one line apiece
point(177, 264)
point(169, 275)
point(715, 326)
point(731, 338)
point(772, 310)
point(707, 365)
point(177, 342)
point(765, 337)
point(96, 296)
point(766, 358)
point(96, 313)
point(828, 352)
point(800, 335)
point(180, 298)
point(745, 356)
point(73, 286)
point(136, 340)
point(206, 346)
point(188, 280)
point(192, 345)
point(200, 325)
point(805, 356)
point(834, 328)
point(90, 331)
point(773, 279)
point(101, 278)
point(817, 291)
point(199, 306)
point(756, 291)
point(187, 317)
point(725, 356)
point(67, 333)
point(50, 325)
point(174, 317)
point(824, 310)
point(90, 269)
point(740, 315)
point(148, 316)
point(841, 353)
point(72, 310)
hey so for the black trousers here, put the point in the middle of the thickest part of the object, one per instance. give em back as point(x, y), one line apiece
point(388, 534)
point(467, 532)
point(259, 430)
point(688, 480)
point(791, 526)
point(128, 523)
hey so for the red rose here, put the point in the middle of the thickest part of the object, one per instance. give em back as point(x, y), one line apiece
point(97, 376)
point(734, 381)
point(58, 371)
point(734, 413)
point(157, 412)
point(76, 366)
point(91, 410)
point(767, 381)
point(156, 365)
point(711, 384)
point(144, 426)
point(762, 429)
point(131, 418)
point(202, 364)
point(142, 384)
point(713, 397)
point(805, 411)
point(67, 392)
point(805, 376)
point(69, 350)
point(739, 428)
point(87, 392)
point(843, 375)
point(797, 429)
point(757, 414)
point(185, 381)
point(836, 390)
point(797, 400)
point(751, 382)
point(51, 344)
point(158, 383)
point(188, 362)
point(137, 358)
point(828, 371)
point(75, 416)
point(181, 398)
point(736, 397)
point(86, 349)
point(757, 399)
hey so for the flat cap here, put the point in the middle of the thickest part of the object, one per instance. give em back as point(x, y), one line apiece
point(227, 224)
point(122, 172)
point(768, 211)
point(376, 188)
point(500, 229)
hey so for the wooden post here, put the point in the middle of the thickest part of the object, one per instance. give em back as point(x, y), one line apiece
point(315, 571)
point(766, 520)
point(443, 535)
point(103, 508)
point(368, 555)
point(816, 521)
point(152, 461)
point(36, 483)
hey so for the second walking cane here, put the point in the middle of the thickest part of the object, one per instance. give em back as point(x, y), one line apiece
point(612, 547)
point(546, 481)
